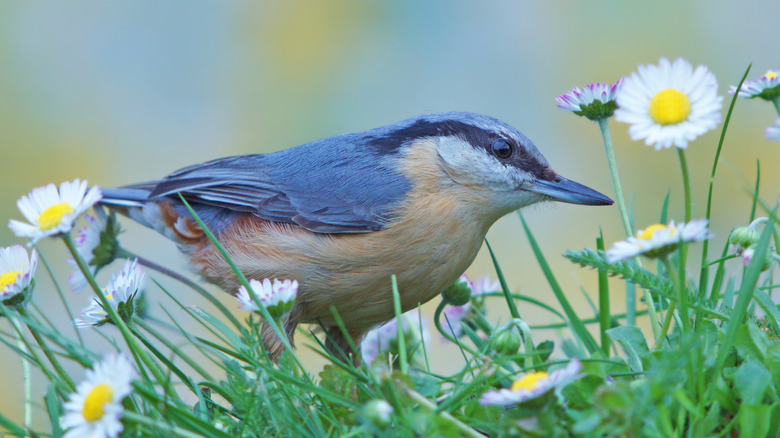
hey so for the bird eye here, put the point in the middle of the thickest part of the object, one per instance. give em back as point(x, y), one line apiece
point(501, 148)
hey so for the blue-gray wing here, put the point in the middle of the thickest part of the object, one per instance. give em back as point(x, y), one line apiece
point(334, 185)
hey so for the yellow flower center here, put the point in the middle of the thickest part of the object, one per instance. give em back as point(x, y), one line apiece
point(52, 216)
point(669, 107)
point(530, 381)
point(648, 232)
point(96, 401)
point(770, 74)
point(8, 279)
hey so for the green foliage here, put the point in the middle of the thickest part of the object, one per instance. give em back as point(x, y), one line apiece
point(709, 365)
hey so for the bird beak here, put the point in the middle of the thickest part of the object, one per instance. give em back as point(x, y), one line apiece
point(566, 190)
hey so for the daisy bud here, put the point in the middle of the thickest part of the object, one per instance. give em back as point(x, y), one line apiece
point(506, 340)
point(743, 237)
point(379, 413)
point(459, 293)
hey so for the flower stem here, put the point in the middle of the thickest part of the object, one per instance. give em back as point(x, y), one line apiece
point(27, 372)
point(686, 183)
point(613, 171)
point(659, 342)
point(682, 294)
point(464, 429)
point(776, 102)
point(140, 356)
point(47, 352)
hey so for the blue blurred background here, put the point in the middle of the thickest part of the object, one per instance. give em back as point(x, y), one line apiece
point(120, 92)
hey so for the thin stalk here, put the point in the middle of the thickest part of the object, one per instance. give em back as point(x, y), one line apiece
point(665, 326)
point(776, 103)
point(613, 171)
point(27, 372)
point(160, 426)
point(122, 253)
point(652, 312)
point(604, 310)
point(682, 294)
point(59, 292)
point(400, 327)
point(686, 182)
point(47, 352)
point(140, 356)
point(446, 416)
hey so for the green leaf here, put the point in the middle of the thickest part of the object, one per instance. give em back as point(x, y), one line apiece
point(632, 342)
point(751, 382)
point(53, 410)
point(769, 307)
point(751, 341)
point(12, 429)
point(754, 420)
point(626, 270)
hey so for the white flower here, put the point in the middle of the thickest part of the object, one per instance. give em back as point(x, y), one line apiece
point(383, 339)
point(773, 132)
point(51, 211)
point(277, 297)
point(86, 240)
point(16, 270)
point(669, 104)
point(532, 385)
point(766, 87)
point(595, 101)
point(122, 286)
point(658, 239)
point(95, 409)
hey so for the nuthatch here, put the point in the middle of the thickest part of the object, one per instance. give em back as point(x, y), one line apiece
point(343, 214)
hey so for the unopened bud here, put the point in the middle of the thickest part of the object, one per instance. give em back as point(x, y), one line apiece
point(379, 413)
point(506, 341)
point(743, 238)
point(458, 293)
point(747, 257)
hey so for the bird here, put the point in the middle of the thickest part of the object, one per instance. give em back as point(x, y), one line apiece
point(343, 214)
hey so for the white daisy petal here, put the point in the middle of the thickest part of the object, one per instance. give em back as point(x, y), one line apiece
point(95, 409)
point(16, 272)
point(277, 297)
point(50, 211)
point(766, 87)
point(773, 132)
point(658, 239)
point(122, 286)
point(532, 385)
point(677, 103)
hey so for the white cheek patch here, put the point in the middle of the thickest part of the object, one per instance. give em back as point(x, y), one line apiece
point(468, 165)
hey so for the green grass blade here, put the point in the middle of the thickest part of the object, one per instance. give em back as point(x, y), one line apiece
point(504, 287)
point(604, 311)
point(577, 326)
point(705, 270)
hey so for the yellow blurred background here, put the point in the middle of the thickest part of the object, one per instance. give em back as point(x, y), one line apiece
point(121, 92)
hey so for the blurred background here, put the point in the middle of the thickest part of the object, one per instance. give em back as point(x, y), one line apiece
point(117, 93)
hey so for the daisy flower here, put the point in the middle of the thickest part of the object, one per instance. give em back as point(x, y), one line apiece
point(95, 409)
point(766, 87)
point(384, 339)
point(658, 240)
point(16, 273)
point(773, 132)
point(533, 385)
point(669, 104)
point(52, 211)
point(277, 297)
point(595, 101)
point(121, 290)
